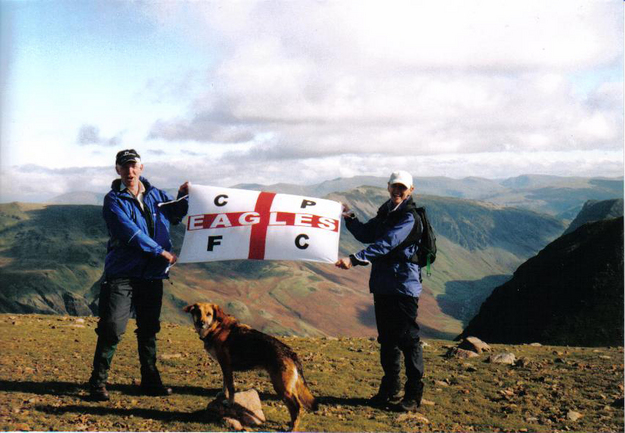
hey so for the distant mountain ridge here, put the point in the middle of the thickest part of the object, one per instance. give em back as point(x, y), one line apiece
point(558, 196)
point(571, 293)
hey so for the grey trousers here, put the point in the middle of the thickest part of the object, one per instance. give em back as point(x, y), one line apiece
point(118, 299)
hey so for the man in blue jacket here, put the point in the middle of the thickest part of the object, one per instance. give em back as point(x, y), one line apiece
point(139, 255)
point(395, 282)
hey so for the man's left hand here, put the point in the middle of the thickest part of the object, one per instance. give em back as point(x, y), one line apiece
point(184, 188)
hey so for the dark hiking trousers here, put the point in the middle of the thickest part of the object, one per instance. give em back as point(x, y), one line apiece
point(118, 298)
point(398, 332)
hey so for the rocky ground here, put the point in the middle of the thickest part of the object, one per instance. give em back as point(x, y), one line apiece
point(45, 362)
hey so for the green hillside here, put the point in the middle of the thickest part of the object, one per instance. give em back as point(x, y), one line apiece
point(51, 258)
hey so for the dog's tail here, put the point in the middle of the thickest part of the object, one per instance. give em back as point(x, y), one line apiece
point(304, 395)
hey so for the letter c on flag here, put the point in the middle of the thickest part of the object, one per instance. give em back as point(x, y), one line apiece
point(298, 240)
point(221, 203)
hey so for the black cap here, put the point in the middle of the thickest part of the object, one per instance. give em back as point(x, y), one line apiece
point(128, 155)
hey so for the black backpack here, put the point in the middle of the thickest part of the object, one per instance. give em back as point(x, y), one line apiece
point(426, 252)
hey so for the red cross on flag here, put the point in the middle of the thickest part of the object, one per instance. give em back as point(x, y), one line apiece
point(230, 224)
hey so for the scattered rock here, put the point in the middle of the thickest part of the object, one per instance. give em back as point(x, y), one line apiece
point(247, 408)
point(573, 416)
point(502, 358)
point(233, 424)
point(474, 344)
point(167, 356)
point(535, 344)
point(456, 352)
point(523, 362)
point(425, 402)
point(413, 416)
point(470, 368)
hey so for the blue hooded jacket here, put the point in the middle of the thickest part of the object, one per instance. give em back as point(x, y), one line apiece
point(137, 239)
point(392, 271)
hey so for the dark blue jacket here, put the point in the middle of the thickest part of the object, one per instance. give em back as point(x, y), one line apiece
point(137, 239)
point(392, 271)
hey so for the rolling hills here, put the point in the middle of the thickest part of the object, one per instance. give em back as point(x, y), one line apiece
point(51, 257)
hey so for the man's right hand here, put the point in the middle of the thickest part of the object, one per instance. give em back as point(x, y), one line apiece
point(171, 258)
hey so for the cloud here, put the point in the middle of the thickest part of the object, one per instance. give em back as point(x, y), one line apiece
point(90, 134)
point(317, 79)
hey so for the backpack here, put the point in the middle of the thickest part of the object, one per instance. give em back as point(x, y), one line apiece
point(426, 244)
point(426, 251)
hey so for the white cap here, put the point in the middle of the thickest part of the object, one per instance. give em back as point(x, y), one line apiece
point(402, 177)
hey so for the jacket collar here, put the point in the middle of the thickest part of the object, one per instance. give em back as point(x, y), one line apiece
point(388, 208)
point(118, 187)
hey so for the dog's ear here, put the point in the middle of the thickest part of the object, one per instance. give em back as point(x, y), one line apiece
point(218, 313)
point(189, 308)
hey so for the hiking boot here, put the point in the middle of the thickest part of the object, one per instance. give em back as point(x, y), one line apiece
point(156, 390)
point(151, 383)
point(412, 399)
point(386, 394)
point(409, 405)
point(99, 393)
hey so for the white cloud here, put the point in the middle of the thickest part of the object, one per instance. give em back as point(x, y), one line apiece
point(327, 78)
point(304, 91)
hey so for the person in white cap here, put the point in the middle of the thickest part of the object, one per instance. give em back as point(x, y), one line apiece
point(395, 282)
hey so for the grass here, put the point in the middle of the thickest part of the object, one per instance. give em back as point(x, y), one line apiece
point(46, 360)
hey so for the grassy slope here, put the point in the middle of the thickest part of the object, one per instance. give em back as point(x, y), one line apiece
point(45, 362)
point(479, 244)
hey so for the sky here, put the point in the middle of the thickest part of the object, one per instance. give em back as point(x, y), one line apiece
point(223, 92)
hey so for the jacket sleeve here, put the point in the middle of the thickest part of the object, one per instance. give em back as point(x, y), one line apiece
point(389, 241)
point(123, 229)
point(363, 232)
point(174, 210)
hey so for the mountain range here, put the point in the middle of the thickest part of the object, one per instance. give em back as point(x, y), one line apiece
point(51, 259)
point(554, 195)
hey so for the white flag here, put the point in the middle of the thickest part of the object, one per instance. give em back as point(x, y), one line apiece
point(229, 224)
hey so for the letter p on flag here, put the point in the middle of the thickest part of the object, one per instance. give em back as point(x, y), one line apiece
point(237, 224)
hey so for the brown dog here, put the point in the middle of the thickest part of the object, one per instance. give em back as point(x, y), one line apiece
point(238, 347)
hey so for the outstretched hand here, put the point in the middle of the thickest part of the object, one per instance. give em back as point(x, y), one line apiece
point(344, 263)
point(184, 188)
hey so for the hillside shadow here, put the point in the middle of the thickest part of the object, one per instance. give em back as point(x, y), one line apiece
point(343, 401)
point(77, 389)
point(366, 316)
point(167, 415)
point(463, 298)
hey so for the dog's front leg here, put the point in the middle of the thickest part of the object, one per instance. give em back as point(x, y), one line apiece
point(228, 381)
